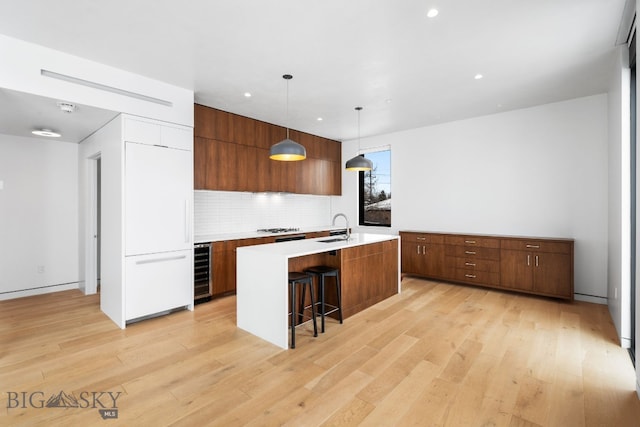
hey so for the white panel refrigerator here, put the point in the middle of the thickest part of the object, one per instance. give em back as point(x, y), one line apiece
point(158, 234)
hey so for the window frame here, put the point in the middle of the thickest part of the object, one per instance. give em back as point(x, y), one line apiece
point(361, 192)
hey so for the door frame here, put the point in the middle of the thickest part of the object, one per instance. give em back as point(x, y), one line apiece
point(91, 226)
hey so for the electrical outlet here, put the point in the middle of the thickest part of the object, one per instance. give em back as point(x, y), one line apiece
point(41, 269)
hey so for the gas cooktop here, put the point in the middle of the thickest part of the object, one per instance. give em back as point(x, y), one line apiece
point(277, 230)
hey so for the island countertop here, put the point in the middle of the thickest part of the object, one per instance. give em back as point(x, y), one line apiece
point(296, 248)
point(369, 271)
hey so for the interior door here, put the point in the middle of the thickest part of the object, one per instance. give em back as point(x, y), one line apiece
point(157, 188)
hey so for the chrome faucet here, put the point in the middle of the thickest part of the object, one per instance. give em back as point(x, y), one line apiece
point(333, 222)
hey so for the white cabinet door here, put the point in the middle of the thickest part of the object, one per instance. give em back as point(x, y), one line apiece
point(158, 199)
point(150, 133)
point(157, 283)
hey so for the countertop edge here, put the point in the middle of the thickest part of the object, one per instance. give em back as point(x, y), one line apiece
point(299, 248)
point(208, 238)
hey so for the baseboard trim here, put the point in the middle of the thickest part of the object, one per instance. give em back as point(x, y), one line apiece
point(38, 291)
point(590, 298)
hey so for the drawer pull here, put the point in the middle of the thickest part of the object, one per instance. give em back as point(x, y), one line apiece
point(470, 242)
point(421, 238)
point(470, 264)
point(533, 246)
point(168, 258)
point(470, 276)
point(470, 252)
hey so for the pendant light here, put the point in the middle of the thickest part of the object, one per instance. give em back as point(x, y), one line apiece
point(359, 162)
point(287, 150)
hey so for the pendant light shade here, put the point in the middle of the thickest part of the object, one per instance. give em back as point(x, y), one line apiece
point(287, 150)
point(359, 162)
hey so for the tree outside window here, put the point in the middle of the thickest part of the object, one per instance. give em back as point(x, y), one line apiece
point(375, 191)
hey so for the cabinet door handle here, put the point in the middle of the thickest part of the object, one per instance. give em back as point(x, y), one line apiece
point(186, 221)
point(470, 242)
point(470, 252)
point(536, 260)
point(169, 258)
point(418, 249)
point(528, 260)
point(424, 250)
point(470, 276)
point(470, 264)
point(533, 246)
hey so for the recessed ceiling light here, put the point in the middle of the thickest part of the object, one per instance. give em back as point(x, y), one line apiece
point(388, 100)
point(46, 132)
point(478, 76)
point(247, 95)
point(319, 119)
point(432, 13)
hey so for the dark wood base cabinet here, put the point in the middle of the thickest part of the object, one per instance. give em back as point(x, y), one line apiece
point(368, 273)
point(541, 266)
point(223, 266)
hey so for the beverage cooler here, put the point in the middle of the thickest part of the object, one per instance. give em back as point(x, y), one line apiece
point(202, 272)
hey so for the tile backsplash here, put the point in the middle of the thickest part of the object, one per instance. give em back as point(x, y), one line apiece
point(219, 212)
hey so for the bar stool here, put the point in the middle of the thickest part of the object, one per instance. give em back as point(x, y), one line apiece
point(303, 280)
point(323, 271)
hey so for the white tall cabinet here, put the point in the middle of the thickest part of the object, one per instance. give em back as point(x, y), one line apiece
point(156, 250)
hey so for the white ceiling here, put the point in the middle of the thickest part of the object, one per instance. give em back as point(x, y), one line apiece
point(405, 69)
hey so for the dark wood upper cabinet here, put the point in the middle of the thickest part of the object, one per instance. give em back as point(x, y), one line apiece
point(231, 153)
point(213, 124)
point(244, 130)
point(268, 134)
point(200, 154)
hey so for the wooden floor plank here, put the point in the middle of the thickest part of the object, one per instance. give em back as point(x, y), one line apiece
point(437, 355)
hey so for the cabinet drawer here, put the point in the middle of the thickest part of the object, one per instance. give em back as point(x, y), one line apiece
point(422, 237)
point(479, 277)
point(473, 264)
point(537, 246)
point(157, 282)
point(472, 253)
point(144, 132)
point(476, 241)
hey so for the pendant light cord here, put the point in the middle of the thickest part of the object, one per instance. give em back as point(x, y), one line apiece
point(358, 109)
point(287, 77)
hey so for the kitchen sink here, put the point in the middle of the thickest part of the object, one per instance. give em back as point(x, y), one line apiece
point(335, 239)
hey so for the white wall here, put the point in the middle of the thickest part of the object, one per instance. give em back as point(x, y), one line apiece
point(619, 291)
point(38, 216)
point(22, 63)
point(539, 171)
point(21, 71)
point(108, 145)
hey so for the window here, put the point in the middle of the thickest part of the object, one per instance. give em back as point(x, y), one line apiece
point(375, 191)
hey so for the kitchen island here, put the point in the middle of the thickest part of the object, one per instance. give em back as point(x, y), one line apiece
point(368, 266)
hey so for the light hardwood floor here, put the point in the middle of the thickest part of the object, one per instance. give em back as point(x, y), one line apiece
point(436, 355)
